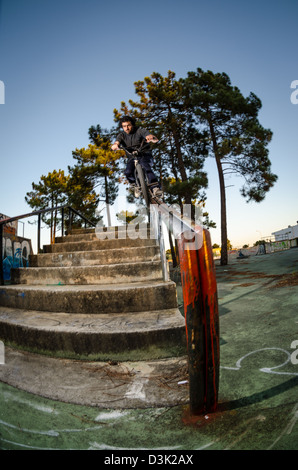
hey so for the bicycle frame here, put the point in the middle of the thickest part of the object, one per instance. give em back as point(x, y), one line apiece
point(140, 174)
point(142, 182)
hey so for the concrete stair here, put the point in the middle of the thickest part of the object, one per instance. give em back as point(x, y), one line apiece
point(86, 297)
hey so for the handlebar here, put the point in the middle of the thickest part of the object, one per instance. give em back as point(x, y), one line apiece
point(138, 148)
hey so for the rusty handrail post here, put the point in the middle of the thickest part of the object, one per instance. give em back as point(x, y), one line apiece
point(200, 308)
point(201, 322)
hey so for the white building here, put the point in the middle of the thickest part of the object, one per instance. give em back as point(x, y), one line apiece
point(290, 233)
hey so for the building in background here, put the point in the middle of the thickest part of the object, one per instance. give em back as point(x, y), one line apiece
point(289, 234)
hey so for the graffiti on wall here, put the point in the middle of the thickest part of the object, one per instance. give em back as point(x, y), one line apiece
point(278, 246)
point(15, 254)
point(15, 249)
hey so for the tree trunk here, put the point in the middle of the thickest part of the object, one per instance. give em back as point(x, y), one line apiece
point(180, 202)
point(173, 253)
point(55, 226)
point(180, 157)
point(52, 224)
point(107, 202)
point(188, 209)
point(223, 215)
point(223, 207)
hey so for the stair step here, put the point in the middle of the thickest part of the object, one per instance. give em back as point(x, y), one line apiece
point(76, 231)
point(132, 297)
point(98, 245)
point(96, 257)
point(99, 295)
point(108, 233)
point(81, 275)
point(86, 334)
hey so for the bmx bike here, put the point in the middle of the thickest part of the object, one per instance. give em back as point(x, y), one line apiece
point(143, 187)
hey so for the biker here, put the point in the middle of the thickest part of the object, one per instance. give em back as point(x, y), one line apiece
point(129, 137)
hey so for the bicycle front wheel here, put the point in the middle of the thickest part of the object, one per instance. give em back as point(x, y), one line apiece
point(142, 180)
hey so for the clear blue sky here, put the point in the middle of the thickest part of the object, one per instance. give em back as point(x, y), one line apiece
point(66, 64)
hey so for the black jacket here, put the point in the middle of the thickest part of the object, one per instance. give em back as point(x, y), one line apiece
point(133, 140)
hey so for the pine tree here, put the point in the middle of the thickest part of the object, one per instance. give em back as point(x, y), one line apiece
point(97, 166)
point(48, 193)
point(232, 134)
point(179, 155)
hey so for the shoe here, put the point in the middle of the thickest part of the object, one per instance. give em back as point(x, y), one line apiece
point(157, 192)
point(137, 192)
point(134, 189)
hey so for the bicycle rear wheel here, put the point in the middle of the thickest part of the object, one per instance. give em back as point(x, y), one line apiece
point(141, 178)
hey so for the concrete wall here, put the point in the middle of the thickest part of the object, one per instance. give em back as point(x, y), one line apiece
point(271, 247)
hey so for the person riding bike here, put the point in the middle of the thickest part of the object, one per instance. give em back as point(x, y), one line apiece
point(130, 137)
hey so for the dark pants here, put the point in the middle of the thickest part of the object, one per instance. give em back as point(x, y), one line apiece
point(146, 163)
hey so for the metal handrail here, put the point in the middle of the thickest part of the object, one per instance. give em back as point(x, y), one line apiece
point(39, 214)
point(200, 303)
point(42, 211)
